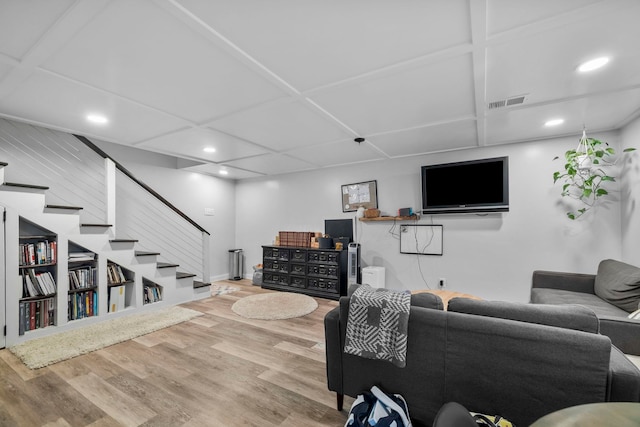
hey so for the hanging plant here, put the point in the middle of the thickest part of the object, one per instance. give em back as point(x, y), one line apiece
point(584, 173)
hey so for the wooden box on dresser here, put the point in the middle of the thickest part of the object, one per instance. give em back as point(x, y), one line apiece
point(315, 272)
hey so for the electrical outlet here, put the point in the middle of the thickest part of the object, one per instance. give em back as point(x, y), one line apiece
point(442, 283)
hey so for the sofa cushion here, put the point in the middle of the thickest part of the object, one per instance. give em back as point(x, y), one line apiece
point(569, 316)
point(619, 284)
point(558, 296)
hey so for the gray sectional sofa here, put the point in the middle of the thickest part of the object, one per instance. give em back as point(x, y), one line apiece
point(612, 293)
point(521, 361)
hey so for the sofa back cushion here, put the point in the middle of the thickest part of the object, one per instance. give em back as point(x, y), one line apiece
point(619, 284)
point(567, 316)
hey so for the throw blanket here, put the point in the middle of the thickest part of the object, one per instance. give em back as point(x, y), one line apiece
point(377, 324)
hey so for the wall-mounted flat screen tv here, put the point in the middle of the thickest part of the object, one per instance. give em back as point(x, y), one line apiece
point(473, 186)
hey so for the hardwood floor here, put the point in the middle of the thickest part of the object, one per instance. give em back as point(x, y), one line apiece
point(218, 369)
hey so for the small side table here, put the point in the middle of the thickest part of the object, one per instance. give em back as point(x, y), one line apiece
point(618, 414)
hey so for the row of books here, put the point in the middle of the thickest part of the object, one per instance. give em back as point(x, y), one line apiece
point(82, 304)
point(83, 278)
point(36, 314)
point(115, 274)
point(152, 294)
point(36, 284)
point(43, 252)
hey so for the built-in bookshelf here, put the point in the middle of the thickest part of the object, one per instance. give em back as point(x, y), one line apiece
point(82, 298)
point(152, 292)
point(120, 284)
point(37, 265)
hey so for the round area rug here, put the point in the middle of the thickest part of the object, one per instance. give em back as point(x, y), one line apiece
point(276, 305)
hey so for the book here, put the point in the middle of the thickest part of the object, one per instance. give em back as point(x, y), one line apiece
point(81, 256)
point(116, 299)
point(21, 319)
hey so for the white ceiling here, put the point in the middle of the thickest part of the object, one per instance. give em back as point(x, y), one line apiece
point(286, 85)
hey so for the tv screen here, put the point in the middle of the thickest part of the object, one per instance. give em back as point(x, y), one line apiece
point(339, 228)
point(470, 186)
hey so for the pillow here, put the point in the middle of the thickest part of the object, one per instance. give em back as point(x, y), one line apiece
point(618, 284)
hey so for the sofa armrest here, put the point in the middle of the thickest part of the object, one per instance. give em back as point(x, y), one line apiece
point(624, 381)
point(623, 332)
point(576, 282)
point(333, 348)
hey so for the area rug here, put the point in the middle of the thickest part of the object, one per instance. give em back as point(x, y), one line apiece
point(41, 352)
point(274, 306)
point(222, 289)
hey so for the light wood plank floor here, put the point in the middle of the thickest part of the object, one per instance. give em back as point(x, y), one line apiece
point(216, 370)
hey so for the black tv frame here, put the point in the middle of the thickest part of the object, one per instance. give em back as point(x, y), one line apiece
point(462, 171)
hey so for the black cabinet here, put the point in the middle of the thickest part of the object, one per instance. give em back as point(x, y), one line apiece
point(315, 272)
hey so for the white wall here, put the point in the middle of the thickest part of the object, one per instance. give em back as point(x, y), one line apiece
point(630, 137)
point(490, 256)
point(191, 193)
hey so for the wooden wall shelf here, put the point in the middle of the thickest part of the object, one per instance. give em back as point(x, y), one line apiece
point(391, 218)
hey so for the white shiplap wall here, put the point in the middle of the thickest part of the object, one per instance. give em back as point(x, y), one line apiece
point(141, 216)
point(74, 173)
point(76, 176)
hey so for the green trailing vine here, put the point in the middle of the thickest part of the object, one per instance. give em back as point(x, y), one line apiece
point(584, 177)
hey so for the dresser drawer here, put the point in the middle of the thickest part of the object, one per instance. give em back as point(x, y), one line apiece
point(322, 270)
point(298, 281)
point(298, 269)
point(273, 265)
point(327, 285)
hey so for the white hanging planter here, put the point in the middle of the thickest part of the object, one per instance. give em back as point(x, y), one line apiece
point(584, 162)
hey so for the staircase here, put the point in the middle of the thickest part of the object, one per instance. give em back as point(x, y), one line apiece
point(28, 201)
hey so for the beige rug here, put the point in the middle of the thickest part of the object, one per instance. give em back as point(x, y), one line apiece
point(41, 352)
point(273, 306)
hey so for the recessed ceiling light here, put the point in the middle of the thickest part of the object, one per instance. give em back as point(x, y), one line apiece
point(224, 172)
point(593, 64)
point(97, 119)
point(554, 122)
point(209, 150)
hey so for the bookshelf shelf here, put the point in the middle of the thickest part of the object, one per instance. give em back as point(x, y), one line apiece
point(37, 270)
point(82, 294)
point(121, 283)
point(151, 291)
point(391, 218)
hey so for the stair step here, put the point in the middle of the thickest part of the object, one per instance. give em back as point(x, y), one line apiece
point(123, 240)
point(96, 225)
point(70, 208)
point(182, 275)
point(30, 186)
point(143, 253)
point(166, 265)
point(198, 284)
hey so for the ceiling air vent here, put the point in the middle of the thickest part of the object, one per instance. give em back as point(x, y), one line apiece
point(497, 104)
point(514, 100)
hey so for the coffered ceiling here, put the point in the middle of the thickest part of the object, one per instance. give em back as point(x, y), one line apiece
point(286, 85)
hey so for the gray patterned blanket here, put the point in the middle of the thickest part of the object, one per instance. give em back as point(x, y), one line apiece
point(377, 324)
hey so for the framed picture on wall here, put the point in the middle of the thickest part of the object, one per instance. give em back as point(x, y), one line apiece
point(363, 194)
